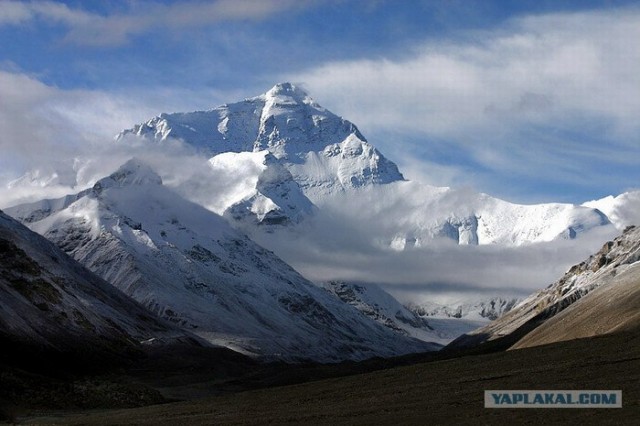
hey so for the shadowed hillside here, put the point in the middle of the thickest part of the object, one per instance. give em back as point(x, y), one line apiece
point(437, 392)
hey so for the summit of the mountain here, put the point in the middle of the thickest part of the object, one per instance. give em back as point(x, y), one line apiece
point(133, 172)
point(288, 93)
point(322, 151)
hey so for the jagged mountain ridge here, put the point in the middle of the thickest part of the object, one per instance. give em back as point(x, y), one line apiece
point(190, 267)
point(320, 149)
point(330, 163)
point(409, 215)
point(612, 274)
point(49, 301)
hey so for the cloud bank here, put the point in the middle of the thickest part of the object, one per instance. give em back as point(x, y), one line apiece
point(339, 246)
point(41, 123)
point(555, 93)
point(58, 141)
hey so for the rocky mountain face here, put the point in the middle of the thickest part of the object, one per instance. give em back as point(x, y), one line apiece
point(322, 151)
point(594, 297)
point(188, 266)
point(304, 156)
point(380, 306)
point(49, 302)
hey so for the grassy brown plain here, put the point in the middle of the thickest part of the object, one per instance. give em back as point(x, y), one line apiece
point(445, 391)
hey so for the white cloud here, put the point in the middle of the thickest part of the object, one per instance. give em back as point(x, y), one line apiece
point(85, 28)
point(40, 121)
point(14, 12)
point(338, 246)
point(45, 128)
point(550, 92)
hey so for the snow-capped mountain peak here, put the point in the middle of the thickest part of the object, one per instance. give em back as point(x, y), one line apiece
point(187, 265)
point(323, 152)
point(327, 157)
point(133, 172)
point(288, 94)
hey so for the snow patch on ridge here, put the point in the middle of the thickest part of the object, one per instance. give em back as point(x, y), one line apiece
point(623, 210)
point(250, 188)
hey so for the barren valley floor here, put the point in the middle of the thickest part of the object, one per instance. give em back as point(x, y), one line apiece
point(434, 392)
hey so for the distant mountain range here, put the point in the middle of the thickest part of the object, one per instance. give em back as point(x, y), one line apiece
point(413, 321)
point(280, 166)
point(490, 309)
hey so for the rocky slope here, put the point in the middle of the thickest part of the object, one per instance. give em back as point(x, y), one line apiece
point(49, 301)
point(597, 296)
point(187, 265)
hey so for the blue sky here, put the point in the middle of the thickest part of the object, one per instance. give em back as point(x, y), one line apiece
point(527, 100)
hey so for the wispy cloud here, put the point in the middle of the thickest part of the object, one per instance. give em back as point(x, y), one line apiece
point(88, 28)
point(38, 119)
point(13, 12)
point(45, 127)
point(549, 92)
